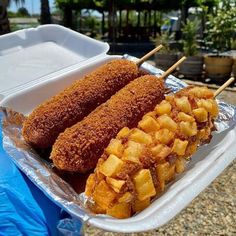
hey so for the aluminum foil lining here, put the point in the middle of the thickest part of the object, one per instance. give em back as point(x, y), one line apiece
point(41, 172)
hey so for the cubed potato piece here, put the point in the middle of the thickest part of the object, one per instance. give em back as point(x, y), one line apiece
point(185, 117)
point(201, 92)
point(162, 170)
point(166, 122)
point(144, 185)
point(210, 105)
point(160, 151)
point(188, 128)
point(151, 113)
point(205, 104)
point(165, 173)
point(215, 109)
point(148, 124)
point(164, 136)
point(180, 165)
point(115, 184)
point(115, 147)
point(133, 152)
point(124, 132)
point(103, 195)
point(139, 136)
point(200, 114)
point(203, 134)
point(169, 98)
point(141, 205)
point(179, 147)
point(170, 174)
point(120, 210)
point(191, 148)
point(183, 104)
point(111, 166)
point(90, 185)
point(96, 208)
point(126, 197)
point(163, 108)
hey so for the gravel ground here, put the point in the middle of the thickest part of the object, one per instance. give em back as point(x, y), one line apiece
point(213, 212)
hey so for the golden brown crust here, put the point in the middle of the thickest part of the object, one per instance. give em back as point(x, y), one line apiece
point(79, 147)
point(70, 106)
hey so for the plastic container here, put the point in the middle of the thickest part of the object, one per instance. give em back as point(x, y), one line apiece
point(44, 81)
point(28, 57)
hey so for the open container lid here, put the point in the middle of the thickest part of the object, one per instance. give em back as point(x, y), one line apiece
point(36, 54)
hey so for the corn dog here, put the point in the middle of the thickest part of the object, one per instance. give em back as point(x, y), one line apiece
point(78, 148)
point(52, 117)
point(136, 165)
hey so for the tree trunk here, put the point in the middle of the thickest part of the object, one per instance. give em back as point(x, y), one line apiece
point(103, 24)
point(138, 24)
point(45, 16)
point(67, 17)
point(127, 18)
point(155, 24)
point(4, 22)
point(120, 22)
point(184, 14)
point(149, 21)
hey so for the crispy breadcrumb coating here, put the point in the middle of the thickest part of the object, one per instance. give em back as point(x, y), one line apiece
point(78, 148)
point(52, 117)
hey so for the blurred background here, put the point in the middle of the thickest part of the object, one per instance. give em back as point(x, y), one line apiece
point(203, 30)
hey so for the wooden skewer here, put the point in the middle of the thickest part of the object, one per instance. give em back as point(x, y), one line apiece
point(172, 68)
point(222, 87)
point(149, 54)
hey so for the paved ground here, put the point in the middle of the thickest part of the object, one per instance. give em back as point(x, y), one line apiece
point(213, 212)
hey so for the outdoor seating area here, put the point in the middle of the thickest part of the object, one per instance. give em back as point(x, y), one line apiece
point(117, 117)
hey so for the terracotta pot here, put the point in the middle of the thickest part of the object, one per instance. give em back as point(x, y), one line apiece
point(164, 61)
point(218, 67)
point(192, 67)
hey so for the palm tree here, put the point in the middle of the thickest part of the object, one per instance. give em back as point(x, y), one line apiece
point(45, 16)
point(4, 22)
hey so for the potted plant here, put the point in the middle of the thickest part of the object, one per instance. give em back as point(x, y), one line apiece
point(220, 31)
point(193, 65)
point(167, 57)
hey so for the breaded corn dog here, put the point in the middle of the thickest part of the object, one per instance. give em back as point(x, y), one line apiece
point(139, 162)
point(78, 148)
point(52, 117)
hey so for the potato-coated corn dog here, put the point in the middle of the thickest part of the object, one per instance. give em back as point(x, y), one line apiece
point(78, 148)
point(139, 162)
point(52, 117)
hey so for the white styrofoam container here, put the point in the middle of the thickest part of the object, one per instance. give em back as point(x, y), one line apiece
point(29, 56)
point(206, 164)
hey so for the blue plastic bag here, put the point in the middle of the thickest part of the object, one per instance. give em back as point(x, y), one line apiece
point(24, 209)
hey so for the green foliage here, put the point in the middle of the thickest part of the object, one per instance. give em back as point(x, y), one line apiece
point(11, 14)
point(23, 12)
point(189, 37)
point(221, 29)
point(165, 39)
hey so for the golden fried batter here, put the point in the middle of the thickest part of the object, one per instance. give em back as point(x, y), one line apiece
point(52, 117)
point(78, 148)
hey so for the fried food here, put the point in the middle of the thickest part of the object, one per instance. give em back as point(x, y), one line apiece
point(52, 117)
point(78, 148)
point(136, 166)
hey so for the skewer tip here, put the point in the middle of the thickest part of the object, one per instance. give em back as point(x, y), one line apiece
point(148, 55)
point(173, 67)
point(222, 87)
